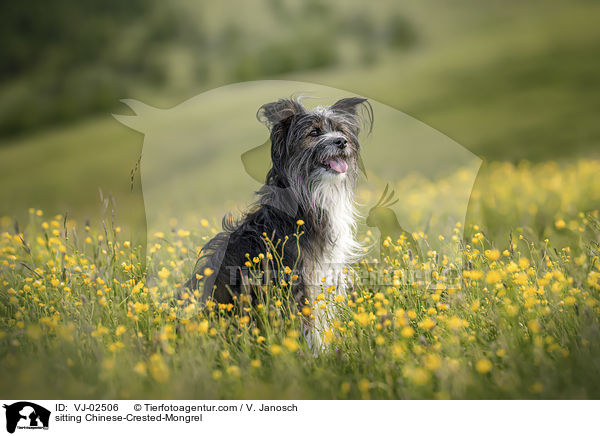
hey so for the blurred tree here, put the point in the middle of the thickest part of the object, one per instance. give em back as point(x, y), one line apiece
point(62, 34)
point(63, 60)
point(69, 59)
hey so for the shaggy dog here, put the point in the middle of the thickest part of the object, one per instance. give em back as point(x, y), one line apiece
point(305, 212)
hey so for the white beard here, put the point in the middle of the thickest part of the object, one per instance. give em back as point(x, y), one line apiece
point(329, 274)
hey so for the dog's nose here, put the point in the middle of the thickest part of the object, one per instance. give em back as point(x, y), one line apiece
point(340, 142)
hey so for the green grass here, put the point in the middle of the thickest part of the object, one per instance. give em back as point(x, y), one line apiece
point(80, 310)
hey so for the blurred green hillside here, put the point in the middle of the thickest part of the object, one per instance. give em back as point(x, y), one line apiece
point(507, 80)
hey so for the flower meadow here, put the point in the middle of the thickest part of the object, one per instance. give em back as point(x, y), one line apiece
point(86, 313)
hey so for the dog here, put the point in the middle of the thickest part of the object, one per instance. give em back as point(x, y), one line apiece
point(307, 196)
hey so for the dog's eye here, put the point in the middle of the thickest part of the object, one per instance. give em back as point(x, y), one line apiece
point(315, 132)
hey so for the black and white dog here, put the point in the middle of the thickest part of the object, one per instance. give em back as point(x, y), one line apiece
point(315, 166)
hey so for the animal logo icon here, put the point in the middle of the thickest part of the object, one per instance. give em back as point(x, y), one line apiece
point(383, 217)
point(25, 414)
point(207, 156)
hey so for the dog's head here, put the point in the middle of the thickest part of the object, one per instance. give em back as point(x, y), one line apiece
point(316, 145)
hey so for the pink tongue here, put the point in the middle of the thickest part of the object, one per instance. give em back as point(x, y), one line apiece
point(338, 165)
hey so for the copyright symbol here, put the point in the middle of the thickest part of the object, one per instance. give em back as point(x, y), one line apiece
point(137, 407)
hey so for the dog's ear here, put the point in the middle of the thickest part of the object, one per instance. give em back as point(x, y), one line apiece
point(352, 105)
point(279, 146)
point(348, 104)
point(278, 111)
point(278, 116)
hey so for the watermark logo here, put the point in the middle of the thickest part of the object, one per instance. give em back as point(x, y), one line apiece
point(25, 415)
point(208, 156)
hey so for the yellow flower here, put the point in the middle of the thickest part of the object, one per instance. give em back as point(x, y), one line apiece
point(140, 368)
point(300, 222)
point(164, 273)
point(560, 224)
point(475, 274)
point(158, 368)
point(432, 362)
point(397, 349)
point(493, 277)
point(511, 310)
point(534, 326)
point(275, 349)
point(483, 366)
point(290, 344)
point(233, 370)
point(208, 271)
point(100, 330)
point(492, 254)
point(427, 324)
point(524, 263)
point(407, 332)
point(420, 377)
point(362, 318)
point(455, 323)
point(115, 346)
point(255, 363)
point(203, 326)
point(364, 385)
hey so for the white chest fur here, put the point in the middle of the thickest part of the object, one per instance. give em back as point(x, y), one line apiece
point(327, 274)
